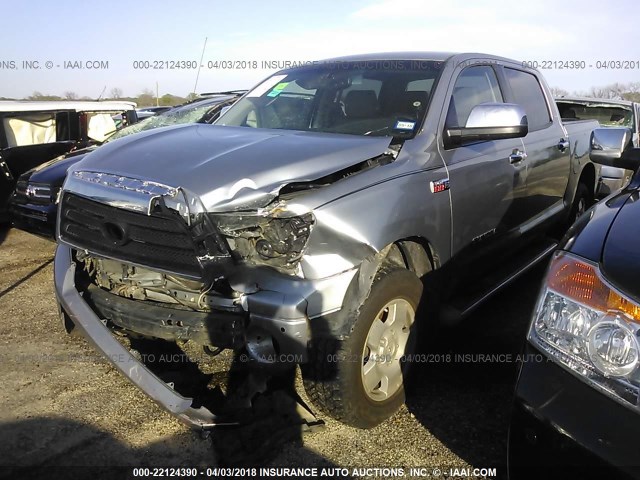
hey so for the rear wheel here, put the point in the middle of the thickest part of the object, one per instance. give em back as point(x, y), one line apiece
point(360, 380)
point(581, 203)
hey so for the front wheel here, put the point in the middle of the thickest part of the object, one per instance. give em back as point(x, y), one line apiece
point(360, 380)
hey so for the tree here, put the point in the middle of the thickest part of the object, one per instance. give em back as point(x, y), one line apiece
point(70, 96)
point(115, 93)
point(43, 97)
point(146, 98)
point(632, 92)
point(558, 92)
point(170, 100)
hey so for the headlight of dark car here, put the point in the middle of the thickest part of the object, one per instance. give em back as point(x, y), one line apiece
point(275, 239)
point(585, 324)
point(36, 192)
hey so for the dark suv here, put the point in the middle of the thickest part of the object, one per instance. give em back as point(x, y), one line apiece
point(577, 407)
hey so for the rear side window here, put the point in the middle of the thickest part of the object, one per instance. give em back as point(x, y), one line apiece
point(30, 129)
point(475, 85)
point(527, 93)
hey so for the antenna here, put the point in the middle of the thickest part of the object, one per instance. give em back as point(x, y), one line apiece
point(200, 66)
point(102, 93)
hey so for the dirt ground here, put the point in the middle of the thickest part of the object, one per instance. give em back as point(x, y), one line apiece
point(63, 406)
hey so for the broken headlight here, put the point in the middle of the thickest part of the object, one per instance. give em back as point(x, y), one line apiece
point(274, 239)
point(586, 325)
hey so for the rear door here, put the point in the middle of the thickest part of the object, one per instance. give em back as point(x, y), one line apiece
point(546, 146)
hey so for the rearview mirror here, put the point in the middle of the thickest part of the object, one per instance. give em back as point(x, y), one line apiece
point(491, 121)
point(613, 147)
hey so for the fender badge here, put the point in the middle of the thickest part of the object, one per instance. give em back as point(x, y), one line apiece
point(439, 185)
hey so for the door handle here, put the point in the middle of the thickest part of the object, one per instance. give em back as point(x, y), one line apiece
point(517, 156)
point(563, 144)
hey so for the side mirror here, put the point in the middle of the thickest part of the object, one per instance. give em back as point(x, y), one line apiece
point(491, 121)
point(613, 147)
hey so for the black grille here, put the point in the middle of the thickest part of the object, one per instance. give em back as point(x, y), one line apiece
point(153, 241)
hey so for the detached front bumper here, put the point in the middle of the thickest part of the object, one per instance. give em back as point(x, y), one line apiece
point(102, 339)
point(272, 315)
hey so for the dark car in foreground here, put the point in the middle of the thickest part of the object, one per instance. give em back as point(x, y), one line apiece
point(33, 205)
point(577, 406)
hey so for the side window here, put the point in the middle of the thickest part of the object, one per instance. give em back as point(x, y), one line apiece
point(100, 126)
point(30, 129)
point(528, 94)
point(475, 85)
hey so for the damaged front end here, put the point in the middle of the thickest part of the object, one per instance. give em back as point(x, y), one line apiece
point(150, 261)
point(170, 270)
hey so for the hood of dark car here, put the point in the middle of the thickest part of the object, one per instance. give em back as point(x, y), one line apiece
point(621, 253)
point(223, 165)
point(54, 171)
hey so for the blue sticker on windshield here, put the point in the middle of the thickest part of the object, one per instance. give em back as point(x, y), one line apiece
point(404, 125)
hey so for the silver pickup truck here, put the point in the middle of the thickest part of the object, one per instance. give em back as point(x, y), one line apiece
point(335, 211)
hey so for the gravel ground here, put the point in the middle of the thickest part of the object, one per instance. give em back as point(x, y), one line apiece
point(63, 406)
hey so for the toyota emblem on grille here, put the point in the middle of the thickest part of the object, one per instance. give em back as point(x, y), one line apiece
point(114, 233)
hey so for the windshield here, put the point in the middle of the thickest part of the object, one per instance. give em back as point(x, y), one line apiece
point(381, 98)
point(177, 116)
point(606, 115)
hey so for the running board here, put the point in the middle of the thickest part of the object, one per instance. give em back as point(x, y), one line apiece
point(461, 307)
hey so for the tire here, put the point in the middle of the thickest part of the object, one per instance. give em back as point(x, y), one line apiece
point(341, 378)
point(582, 201)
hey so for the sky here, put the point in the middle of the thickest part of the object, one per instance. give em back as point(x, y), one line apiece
point(249, 34)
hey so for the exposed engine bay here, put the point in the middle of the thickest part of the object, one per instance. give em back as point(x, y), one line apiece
point(139, 283)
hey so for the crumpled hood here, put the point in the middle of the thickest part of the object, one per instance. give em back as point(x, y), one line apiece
point(231, 167)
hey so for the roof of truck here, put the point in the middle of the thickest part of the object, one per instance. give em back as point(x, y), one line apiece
point(435, 56)
point(456, 58)
point(592, 100)
point(78, 106)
